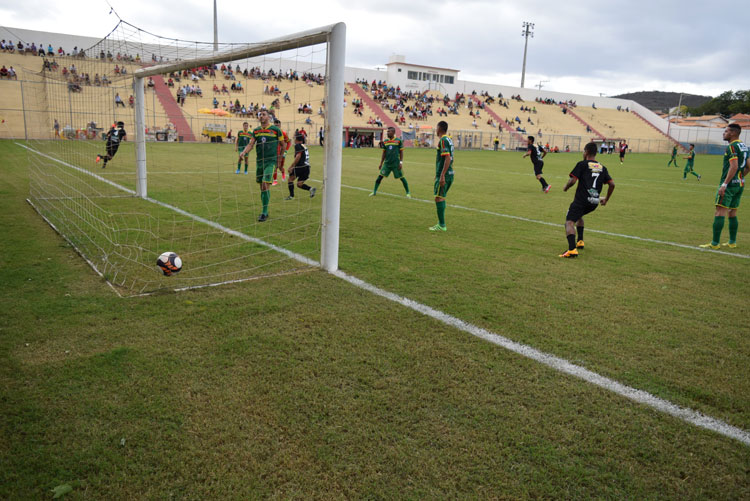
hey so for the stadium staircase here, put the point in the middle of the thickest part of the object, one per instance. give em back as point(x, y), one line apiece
point(670, 138)
point(173, 111)
point(499, 120)
point(375, 107)
point(572, 114)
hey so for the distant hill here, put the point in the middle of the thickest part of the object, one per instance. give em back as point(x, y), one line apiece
point(661, 101)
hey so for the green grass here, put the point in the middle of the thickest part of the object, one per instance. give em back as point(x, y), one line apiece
point(302, 386)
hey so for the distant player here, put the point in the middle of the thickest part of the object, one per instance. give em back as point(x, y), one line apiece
point(623, 149)
point(269, 140)
point(591, 177)
point(537, 154)
point(392, 160)
point(114, 137)
point(300, 168)
point(674, 157)
point(690, 157)
point(443, 173)
point(732, 185)
point(243, 139)
point(282, 154)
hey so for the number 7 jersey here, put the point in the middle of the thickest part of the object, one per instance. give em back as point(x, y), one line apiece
point(591, 176)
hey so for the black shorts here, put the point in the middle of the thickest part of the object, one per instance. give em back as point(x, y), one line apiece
point(622, 154)
point(538, 166)
point(302, 173)
point(112, 149)
point(577, 210)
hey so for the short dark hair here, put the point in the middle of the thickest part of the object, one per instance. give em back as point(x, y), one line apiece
point(300, 138)
point(691, 144)
point(276, 121)
point(443, 125)
point(532, 138)
point(121, 124)
point(590, 149)
point(391, 128)
point(736, 127)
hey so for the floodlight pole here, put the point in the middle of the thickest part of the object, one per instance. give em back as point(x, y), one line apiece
point(527, 32)
point(216, 30)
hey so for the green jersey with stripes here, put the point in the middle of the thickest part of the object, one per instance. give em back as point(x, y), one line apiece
point(243, 138)
point(444, 149)
point(392, 148)
point(267, 143)
point(738, 150)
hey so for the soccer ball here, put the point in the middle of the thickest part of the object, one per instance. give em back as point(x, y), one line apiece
point(170, 263)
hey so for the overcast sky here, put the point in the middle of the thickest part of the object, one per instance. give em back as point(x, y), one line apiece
point(581, 46)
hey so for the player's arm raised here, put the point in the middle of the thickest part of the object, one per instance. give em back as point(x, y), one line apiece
point(610, 189)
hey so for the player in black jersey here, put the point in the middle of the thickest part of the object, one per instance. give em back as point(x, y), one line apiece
point(300, 168)
point(591, 177)
point(114, 137)
point(537, 154)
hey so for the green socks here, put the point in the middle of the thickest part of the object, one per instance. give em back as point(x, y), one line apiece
point(441, 212)
point(406, 185)
point(718, 226)
point(265, 197)
point(733, 225)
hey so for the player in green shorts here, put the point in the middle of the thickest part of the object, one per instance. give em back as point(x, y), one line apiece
point(268, 138)
point(689, 165)
point(392, 160)
point(674, 157)
point(443, 173)
point(243, 138)
point(732, 185)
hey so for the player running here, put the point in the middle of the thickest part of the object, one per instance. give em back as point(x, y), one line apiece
point(392, 160)
point(730, 190)
point(674, 157)
point(114, 137)
point(443, 173)
point(591, 177)
point(270, 141)
point(690, 157)
point(282, 154)
point(535, 151)
point(243, 138)
point(300, 168)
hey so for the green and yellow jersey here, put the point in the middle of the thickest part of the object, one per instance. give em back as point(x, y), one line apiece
point(735, 150)
point(267, 143)
point(243, 139)
point(392, 149)
point(444, 148)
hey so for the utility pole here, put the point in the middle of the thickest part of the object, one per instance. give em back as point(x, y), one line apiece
point(527, 31)
point(541, 84)
point(216, 30)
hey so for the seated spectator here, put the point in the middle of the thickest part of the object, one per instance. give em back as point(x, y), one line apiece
point(131, 101)
point(4, 72)
point(151, 83)
point(50, 50)
point(199, 91)
point(118, 101)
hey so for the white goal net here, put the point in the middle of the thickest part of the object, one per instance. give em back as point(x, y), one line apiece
point(132, 152)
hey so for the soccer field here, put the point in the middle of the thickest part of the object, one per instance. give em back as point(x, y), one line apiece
point(302, 385)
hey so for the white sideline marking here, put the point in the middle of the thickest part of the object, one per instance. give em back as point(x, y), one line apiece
point(559, 364)
point(557, 225)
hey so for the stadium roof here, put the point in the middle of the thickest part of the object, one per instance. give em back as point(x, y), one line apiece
point(421, 66)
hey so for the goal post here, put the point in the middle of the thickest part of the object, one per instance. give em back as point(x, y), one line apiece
point(335, 36)
point(132, 154)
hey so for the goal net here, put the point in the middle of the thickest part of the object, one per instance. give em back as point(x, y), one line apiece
point(132, 152)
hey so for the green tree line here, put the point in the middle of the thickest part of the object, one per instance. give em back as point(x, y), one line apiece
point(728, 103)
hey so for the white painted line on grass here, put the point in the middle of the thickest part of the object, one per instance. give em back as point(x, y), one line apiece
point(558, 225)
point(559, 364)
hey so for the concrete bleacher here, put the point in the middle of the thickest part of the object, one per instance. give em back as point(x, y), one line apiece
point(614, 124)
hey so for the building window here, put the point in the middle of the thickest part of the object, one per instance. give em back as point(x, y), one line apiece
point(399, 70)
point(448, 79)
point(412, 75)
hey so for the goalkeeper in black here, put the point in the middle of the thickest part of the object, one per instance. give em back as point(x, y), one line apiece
point(114, 137)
